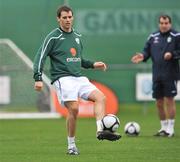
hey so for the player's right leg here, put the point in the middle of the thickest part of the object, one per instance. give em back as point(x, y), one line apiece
point(67, 92)
point(72, 107)
point(162, 117)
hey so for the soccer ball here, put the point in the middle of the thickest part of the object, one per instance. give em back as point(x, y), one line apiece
point(110, 122)
point(132, 128)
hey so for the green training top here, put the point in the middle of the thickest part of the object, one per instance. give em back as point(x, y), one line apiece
point(65, 52)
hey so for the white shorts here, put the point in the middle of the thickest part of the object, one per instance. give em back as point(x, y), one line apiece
point(70, 88)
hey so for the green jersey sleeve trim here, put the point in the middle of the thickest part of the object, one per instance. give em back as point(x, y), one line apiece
point(44, 47)
point(42, 54)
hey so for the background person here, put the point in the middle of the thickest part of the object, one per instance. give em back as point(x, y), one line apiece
point(163, 47)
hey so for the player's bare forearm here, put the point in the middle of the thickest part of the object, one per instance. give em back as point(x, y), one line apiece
point(38, 85)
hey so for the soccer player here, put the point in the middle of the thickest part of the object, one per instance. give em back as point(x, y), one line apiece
point(163, 47)
point(64, 48)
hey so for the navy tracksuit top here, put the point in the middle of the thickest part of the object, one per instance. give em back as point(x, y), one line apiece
point(156, 46)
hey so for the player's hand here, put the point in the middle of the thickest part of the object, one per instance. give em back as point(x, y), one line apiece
point(100, 65)
point(167, 56)
point(137, 58)
point(38, 85)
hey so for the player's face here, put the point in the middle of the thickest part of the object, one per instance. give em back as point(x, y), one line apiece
point(66, 21)
point(164, 25)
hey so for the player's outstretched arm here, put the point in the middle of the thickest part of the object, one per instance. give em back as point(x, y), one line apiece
point(100, 65)
point(38, 85)
point(137, 58)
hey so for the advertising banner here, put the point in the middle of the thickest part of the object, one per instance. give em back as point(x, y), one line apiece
point(144, 87)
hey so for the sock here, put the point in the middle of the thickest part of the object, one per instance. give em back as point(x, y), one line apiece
point(99, 125)
point(164, 124)
point(170, 128)
point(71, 142)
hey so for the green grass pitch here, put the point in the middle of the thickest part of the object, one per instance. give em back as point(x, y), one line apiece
point(45, 140)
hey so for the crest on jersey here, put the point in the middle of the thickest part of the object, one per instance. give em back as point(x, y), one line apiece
point(77, 40)
point(169, 39)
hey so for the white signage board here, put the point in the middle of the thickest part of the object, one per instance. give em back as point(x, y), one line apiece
point(144, 87)
point(4, 90)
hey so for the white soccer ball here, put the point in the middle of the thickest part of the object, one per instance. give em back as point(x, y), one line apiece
point(132, 128)
point(110, 122)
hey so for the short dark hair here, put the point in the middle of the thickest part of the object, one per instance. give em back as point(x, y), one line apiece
point(63, 8)
point(165, 17)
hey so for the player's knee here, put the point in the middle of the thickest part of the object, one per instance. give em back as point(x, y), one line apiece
point(170, 101)
point(72, 108)
point(160, 103)
point(101, 98)
point(73, 113)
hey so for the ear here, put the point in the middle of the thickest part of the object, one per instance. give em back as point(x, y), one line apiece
point(58, 19)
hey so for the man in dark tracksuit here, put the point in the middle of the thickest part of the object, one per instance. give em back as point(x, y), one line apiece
point(163, 47)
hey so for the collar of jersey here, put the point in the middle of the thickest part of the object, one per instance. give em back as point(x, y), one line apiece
point(65, 31)
point(165, 33)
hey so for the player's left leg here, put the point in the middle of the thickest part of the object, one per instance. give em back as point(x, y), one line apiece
point(99, 100)
point(171, 110)
point(88, 91)
point(99, 109)
point(170, 91)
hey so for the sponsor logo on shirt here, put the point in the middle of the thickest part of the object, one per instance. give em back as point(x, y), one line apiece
point(73, 59)
point(73, 53)
point(156, 40)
